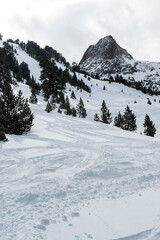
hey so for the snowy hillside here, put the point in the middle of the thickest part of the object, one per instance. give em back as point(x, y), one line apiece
point(77, 179)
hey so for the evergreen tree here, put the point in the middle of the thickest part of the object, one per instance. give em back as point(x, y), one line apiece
point(106, 115)
point(74, 112)
point(104, 88)
point(62, 100)
point(148, 101)
point(67, 106)
point(81, 111)
point(149, 127)
point(73, 96)
point(2, 134)
point(96, 117)
point(59, 110)
point(129, 120)
point(49, 107)
point(15, 114)
point(33, 99)
point(118, 121)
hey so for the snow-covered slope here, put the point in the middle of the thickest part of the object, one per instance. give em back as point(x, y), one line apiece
point(76, 179)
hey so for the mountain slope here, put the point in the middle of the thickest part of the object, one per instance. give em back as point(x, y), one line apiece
point(77, 179)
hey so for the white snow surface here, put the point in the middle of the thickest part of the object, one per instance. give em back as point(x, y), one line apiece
point(76, 179)
point(22, 56)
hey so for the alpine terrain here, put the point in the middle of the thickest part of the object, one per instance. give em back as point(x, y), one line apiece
point(79, 149)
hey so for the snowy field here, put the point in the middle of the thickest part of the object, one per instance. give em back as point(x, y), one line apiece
point(76, 179)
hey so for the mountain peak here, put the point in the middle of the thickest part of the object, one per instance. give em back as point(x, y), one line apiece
point(106, 53)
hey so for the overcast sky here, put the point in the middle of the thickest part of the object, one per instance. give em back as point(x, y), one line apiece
point(70, 26)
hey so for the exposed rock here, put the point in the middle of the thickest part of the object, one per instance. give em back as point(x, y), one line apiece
point(106, 57)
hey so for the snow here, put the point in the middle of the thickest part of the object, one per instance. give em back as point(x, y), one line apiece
point(22, 56)
point(76, 179)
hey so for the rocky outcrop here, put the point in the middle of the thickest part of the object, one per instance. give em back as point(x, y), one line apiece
point(106, 56)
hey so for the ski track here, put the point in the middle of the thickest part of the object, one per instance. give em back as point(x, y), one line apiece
point(46, 182)
point(50, 175)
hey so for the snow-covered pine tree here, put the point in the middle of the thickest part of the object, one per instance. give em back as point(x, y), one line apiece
point(81, 111)
point(129, 120)
point(106, 115)
point(96, 117)
point(149, 127)
point(118, 120)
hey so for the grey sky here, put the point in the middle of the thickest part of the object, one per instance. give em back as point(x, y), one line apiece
point(70, 26)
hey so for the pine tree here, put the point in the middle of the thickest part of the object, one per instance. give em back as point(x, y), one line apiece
point(149, 127)
point(73, 96)
point(15, 114)
point(81, 111)
point(67, 106)
point(129, 120)
point(73, 112)
point(106, 115)
point(148, 101)
point(2, 134)
point(33, 99)
point(96, 117)
point(118, 121)
point(49, 107)
point(104, 88)
point(59, 110)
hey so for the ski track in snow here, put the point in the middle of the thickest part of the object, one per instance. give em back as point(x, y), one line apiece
point(76, 179)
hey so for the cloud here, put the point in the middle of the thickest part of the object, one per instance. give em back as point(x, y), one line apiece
point(70, 26)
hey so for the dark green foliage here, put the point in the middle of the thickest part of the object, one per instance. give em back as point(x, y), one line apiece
point(43, 55)
point(15, 114)
point(119, 121)
point(10, 59)
point(97, 76)
point(24, 72)
point(33, 99)
point(129, 120)
point(96, 117)
point(81, 111)
point(149, 127)
point(73, 96)
point(148, 101)
point(36, 87)
point(104, 88)
point(73, 112)
point(79, 83)
point(106, 115)
point(52, 84)
point(2, 133)
point(49, 107)
point(67, 107)
point(5, 76)
point(59, 110)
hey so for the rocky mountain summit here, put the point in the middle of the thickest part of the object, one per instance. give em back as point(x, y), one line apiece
point(106, 56)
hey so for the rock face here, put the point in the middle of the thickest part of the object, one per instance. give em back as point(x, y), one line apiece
point(106, 57)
